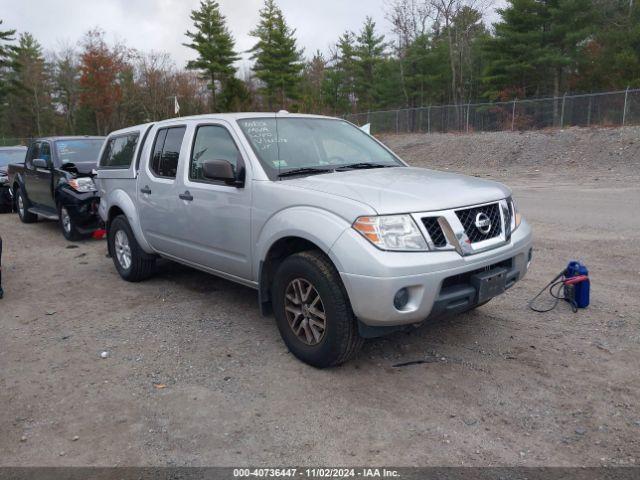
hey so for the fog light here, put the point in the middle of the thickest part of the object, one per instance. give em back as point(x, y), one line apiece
point(401, 299)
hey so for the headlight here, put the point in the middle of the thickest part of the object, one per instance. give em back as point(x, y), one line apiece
point(391, 232)
point(82, 185)
point(516, 218)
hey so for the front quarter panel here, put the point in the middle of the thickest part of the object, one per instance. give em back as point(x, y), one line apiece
point(283, 211)
point(317, 226)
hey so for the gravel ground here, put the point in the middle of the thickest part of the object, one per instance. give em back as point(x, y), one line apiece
point(195, 376)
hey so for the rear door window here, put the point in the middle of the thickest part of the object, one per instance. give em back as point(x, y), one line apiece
point(119, 151)
point(166, 151)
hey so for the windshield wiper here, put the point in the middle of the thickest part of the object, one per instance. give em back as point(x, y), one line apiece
point(304, 170)
point(363, 165)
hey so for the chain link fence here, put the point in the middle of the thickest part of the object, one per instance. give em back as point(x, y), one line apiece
point(602, 109)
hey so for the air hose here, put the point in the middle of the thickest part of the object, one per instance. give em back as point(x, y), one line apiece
point(571, 285)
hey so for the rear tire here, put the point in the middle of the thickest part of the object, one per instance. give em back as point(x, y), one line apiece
point(22, 205)
point(133, 263)
point(307, 292)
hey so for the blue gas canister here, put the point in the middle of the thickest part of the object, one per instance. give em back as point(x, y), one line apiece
point(577, 292)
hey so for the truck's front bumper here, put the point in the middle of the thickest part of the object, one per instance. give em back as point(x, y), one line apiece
point(82, 207)
point(438, 282)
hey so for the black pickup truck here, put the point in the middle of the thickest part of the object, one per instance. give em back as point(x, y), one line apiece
point(8, 155)
point(56, 182)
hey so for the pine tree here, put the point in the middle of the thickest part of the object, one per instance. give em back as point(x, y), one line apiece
point(29, 105)
point(6, 58)
point(314, 75)
point(236, 96)
point(426, 71)
point(515, 52)
point(537, 45)
point(215, 46)
point(370, 50)
point(570, 25)
point(277, 58)
point(340, 80)
point(611, 58)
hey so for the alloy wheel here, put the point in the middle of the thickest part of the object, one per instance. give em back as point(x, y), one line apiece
point(123, 249)
point(305, 311)
point(66, 220)
point(20, 206)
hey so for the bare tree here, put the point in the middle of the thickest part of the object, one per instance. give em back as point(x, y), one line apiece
point(66, 88)
point(193, 92)
point(155, 74)
point(457, 34)
point(410, 19)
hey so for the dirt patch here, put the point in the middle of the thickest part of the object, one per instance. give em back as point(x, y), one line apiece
point(575, 155)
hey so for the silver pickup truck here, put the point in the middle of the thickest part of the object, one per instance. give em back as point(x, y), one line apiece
point(341, 238)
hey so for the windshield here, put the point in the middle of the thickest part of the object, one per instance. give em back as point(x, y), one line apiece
point(79, 151)
point(12, 156)
point(288, 144)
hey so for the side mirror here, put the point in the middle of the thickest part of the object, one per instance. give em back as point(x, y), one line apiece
point(222, 171)
point(40, 163)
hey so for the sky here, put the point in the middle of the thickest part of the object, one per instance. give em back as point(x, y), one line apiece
point(159, 25)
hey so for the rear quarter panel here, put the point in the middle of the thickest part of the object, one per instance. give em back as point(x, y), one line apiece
point(15, 172)
point(117, 187)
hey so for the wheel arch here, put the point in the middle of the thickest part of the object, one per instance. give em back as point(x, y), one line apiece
point(18, 184)
point(120, 203)
point(281, 249)
point(291, 231)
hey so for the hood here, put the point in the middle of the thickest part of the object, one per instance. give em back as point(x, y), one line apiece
point(82, 168)
point(405, 190)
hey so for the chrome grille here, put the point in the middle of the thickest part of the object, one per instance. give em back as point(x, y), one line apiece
point(468, 217)
point(435, 231)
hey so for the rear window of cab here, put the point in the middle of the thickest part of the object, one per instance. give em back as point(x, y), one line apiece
point(119, 151)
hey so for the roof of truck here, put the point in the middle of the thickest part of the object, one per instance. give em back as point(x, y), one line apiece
point(218, 116)
point(242, 116)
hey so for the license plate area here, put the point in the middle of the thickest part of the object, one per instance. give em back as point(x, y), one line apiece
point(490, 283)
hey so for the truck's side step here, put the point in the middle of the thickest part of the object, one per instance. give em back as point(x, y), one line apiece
point(43, 213)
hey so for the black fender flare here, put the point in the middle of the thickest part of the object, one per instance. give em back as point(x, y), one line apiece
point(18, 181)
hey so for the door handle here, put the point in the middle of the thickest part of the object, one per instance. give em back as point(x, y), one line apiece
point(186, 196)
point(146, 190)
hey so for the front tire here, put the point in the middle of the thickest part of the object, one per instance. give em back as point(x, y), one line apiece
point(67, 225)
point(133, 263)
point(22, 204)
point(313, 312)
